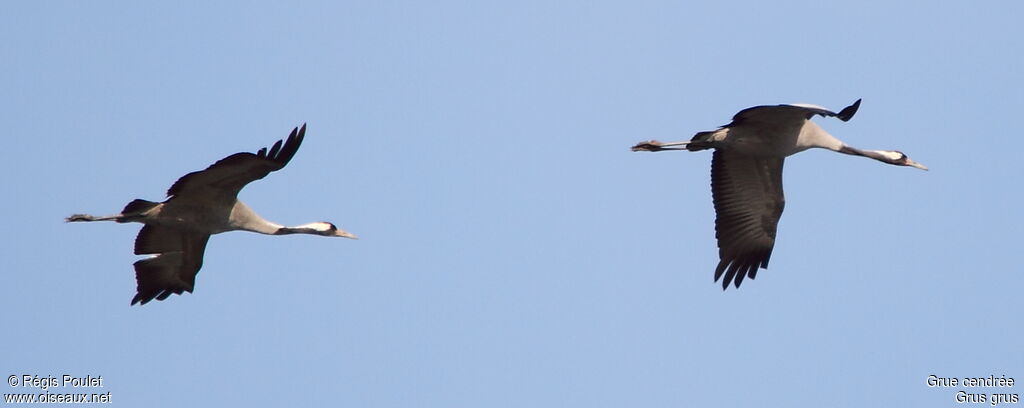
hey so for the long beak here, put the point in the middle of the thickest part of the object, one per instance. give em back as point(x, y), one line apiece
point(912, 163)
point(346, 234)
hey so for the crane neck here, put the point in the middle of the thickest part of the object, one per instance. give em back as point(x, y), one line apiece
point(244, 218)
point(812, 135)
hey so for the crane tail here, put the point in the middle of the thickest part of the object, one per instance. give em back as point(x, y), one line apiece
point(701, 141)
point(136, 210)
point(138, 206)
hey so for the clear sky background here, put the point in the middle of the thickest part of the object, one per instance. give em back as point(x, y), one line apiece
point(514, 252)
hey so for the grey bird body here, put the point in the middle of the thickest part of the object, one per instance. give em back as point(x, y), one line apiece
point(746, 176)
point(201, 204)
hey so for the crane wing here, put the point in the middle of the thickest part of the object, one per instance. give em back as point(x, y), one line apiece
point(179, 256)
point(230, 174)
point(747, 193)
point(780, 114)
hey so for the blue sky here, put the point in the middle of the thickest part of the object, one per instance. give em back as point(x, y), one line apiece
point(513, 251)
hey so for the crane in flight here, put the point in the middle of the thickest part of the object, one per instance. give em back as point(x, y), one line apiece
point(200, 204)
point(746, 176)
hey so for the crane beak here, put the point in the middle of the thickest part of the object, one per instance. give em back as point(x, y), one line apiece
point(912, 163)
point(346, 234)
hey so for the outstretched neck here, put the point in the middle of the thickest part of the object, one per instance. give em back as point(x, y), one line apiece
point(812, 135)
point(893, 157)
point(244, 218)
point(266, 227)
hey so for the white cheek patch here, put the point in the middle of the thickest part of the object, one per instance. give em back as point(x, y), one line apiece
point(894, 156)
point(317, 226)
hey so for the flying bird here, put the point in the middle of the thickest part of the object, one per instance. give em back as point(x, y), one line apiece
point(200, 204)
point(746, 176)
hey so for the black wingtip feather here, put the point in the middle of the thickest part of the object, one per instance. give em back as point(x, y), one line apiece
point(730, 268)
point(740, 274)
point(848, 112)
point(735, 270)
point(720, 269)
point(273, 150)
point(282, 154)
point(278, 156)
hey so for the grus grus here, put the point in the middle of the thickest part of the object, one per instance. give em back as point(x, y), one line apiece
point(746, 176)
point(200, 204)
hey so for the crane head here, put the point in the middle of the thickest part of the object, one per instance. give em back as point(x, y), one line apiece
point(326, 229)
point(898, 158)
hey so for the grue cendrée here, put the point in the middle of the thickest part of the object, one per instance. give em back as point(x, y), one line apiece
point(746, 176)
point(200, 204)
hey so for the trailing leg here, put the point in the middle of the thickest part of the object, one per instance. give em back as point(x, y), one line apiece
point(134, 211)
